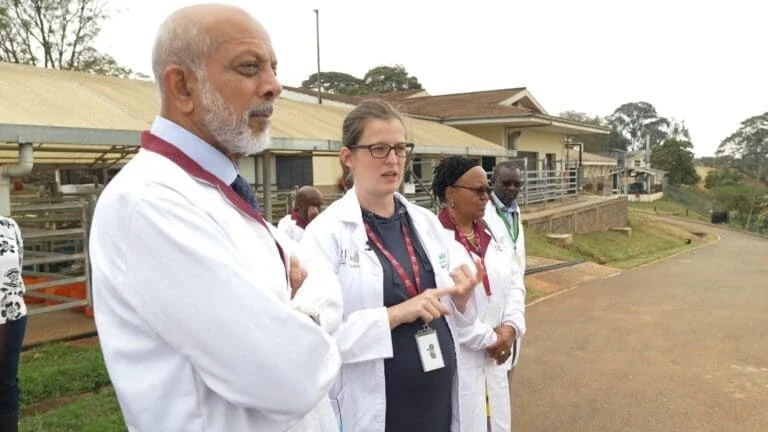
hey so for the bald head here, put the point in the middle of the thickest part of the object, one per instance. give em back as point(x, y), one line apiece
point(216, 72)
point(309, 201)
point(188, 35)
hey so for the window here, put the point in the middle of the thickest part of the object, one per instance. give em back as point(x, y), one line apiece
point(638, 163)
point(550, 161)
point(531, 157)
point(512, 137)
point(293, 171)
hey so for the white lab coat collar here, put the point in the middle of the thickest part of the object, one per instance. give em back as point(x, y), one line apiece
point(208, 157)
point(352, 213)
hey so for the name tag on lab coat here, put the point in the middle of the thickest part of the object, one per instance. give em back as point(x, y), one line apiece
point(429, 350)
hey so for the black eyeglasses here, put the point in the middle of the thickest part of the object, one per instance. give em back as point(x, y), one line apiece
point(516, 183)
point(381, 151)
point(479, 191)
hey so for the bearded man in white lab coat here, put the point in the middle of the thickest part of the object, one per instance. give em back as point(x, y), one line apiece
point(201, 325)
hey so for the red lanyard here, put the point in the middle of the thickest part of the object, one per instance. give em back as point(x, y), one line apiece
point(477, 250)
point(413, 290)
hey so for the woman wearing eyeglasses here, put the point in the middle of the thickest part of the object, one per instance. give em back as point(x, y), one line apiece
point(461, 185)
point(398, 335)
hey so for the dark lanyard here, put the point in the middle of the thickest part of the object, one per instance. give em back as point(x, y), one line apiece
point(413, 290)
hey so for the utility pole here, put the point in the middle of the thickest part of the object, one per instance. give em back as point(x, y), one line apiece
point(319, 77)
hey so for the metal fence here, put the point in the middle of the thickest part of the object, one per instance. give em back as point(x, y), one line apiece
point(549, 185)
point(55, 233)
point(699, 204)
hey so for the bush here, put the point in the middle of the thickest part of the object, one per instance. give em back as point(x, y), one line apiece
point(716, 179)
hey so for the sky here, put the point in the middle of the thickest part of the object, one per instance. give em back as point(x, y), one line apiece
point(701, 62)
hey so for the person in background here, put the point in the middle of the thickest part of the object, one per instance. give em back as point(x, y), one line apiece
point(461, 186)
point(203, 313)
point(309, 203)
point(398, 335)
point(13, 321)
point(502, 214)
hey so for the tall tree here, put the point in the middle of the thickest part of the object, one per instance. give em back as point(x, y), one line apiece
point(55, 34)
point(638, 122)
point(749, 144)
point(678, 130)
point(593, 143)
point(335, 82)
point(676, 158)
point(387, 79)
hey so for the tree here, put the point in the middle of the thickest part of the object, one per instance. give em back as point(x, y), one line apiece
point(678, 130)
point(335, 82)
point(584, 118)
point(55, 34)
point(593, 143)
point(638, 122)
point(749, 144)
point(735, 198)
point(675, 157)
point(387, 79)
point(726, 177)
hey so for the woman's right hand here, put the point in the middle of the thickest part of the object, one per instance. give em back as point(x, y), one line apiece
point(425, 306)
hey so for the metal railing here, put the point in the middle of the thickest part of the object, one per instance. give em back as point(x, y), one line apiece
point(549, 185)
point(55, 234)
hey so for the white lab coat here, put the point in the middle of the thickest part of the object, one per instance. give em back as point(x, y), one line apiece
point(517, 307)
point(194, 315)
point(289, 227)
point(337, 237)
point(477, 368)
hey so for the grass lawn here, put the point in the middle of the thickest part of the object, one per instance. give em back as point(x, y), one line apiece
point(532, 294)
point(667, 207)
point(651, 239)
point(65, 387)
point(93, 412)
point(57, 370)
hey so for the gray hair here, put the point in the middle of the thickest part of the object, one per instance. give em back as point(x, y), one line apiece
point(179, 42)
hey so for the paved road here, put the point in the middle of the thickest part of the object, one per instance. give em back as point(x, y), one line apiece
point(680, 345)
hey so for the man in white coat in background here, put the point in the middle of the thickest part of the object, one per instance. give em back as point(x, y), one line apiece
point(205, 322)
point(502, 214)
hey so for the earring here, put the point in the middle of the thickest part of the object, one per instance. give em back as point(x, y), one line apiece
point(453, 204)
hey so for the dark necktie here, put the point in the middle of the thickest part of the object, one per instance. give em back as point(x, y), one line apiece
point(242, 188)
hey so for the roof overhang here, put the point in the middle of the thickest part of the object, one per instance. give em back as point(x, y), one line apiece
point(548, 123)
point(15, 133)
point(104, 147)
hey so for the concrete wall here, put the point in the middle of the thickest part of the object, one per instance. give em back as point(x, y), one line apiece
point(599, 217)
point(646, 197)
point(247, 168)
point(530, 140)
point(543, 143)
point(326, 170)
point(492, 133)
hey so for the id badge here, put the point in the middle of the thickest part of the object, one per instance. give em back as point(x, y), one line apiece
point(493, 313)
point(429, 349)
